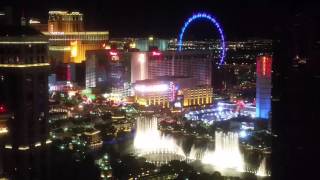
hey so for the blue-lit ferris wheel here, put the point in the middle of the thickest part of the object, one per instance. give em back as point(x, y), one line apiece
point(209, 17)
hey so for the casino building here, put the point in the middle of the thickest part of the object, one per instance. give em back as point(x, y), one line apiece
point(68, 40)
point(154, 64)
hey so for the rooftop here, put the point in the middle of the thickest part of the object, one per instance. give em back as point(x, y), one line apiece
point(7, 31)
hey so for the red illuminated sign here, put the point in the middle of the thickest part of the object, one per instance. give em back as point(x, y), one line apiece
point(264, 66)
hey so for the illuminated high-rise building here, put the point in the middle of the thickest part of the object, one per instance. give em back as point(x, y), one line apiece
point(24, 72)
point(68, 40)
point(105, 70)
point(154, 64)
point(263, 87)
point(70, 47)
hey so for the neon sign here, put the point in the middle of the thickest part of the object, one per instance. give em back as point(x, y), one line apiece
point(113, 53)
point(152, 88)
point(156, 53)
point(214, 22)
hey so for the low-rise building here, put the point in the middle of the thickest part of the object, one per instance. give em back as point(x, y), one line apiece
point(93, 138)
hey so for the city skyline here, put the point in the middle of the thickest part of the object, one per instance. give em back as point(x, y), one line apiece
point(174, 90)
point(240, 19)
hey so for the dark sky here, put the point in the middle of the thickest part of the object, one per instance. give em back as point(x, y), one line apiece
point(239, 18)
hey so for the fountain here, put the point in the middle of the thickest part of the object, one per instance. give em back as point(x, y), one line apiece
point(150, 144)
point(195, 154)
point(262, 170)
point(227, 154)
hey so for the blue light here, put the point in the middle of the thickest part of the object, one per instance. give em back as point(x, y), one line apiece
point(215, 23)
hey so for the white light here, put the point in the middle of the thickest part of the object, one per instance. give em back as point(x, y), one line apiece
point(31, 21)
point(148, 139)
point(57, 33)
point(262, 171)
point(177, 104)
point(253, 115)
point(142, 61)
point(226, 154)
point(152, 88)
point(112, 53)
point(8, 146)
point(23, 148)
point(71, 93)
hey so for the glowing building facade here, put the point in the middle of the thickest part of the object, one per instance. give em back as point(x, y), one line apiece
point(139, 66)
point(68, 40)
point(70, 47)
point(171, 92)
point(155, 92)
point(154, 64)
point(263, 87)
point(93, 139)
point(105, 70)
point(200, 95)
point(24, 71)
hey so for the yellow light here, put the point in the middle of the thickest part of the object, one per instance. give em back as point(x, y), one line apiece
point(71, 93)
point(97, 144)
point(23, 42)
point(3, 131)
point(151, 38)
point(91, 134)
point(37, 144)
point(74, 48)
point(78, 33)
point(118, 117)
point(24, 65)
point(132, 45)
point(142, 102)
point(48, 141)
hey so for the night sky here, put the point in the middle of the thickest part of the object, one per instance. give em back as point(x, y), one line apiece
point(239, 18)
